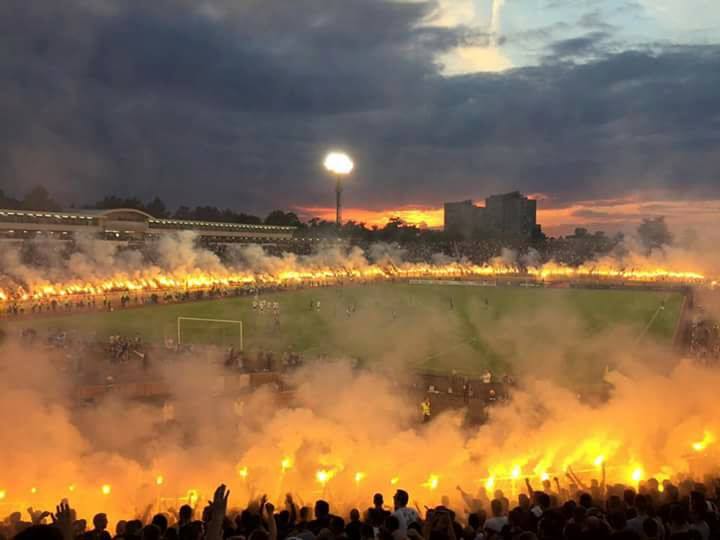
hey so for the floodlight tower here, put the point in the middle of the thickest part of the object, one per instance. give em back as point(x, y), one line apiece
point(339, 165)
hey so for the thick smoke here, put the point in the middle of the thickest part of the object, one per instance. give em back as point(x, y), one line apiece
point(339, 421)
point(93, 264)
point(63, 449)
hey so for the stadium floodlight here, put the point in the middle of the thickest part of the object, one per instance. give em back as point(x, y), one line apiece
point(339, 164)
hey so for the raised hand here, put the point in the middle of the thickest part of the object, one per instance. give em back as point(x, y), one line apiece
point(267, 511)
point(63, 519)
point(220, 500)
point(38, 517)
point(218, 509)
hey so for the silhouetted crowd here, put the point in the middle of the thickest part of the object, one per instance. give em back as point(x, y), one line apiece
point(683, 511)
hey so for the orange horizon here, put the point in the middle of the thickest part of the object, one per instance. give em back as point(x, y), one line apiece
point(612, 215)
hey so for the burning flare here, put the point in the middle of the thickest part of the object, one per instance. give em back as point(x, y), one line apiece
point(155, 280)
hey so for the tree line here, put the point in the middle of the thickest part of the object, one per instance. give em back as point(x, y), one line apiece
point(653, 233)
point(38, 198)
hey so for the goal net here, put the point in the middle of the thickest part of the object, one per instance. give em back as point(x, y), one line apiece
point(219, 332)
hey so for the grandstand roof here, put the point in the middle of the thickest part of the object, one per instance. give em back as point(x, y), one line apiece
point(125, 213)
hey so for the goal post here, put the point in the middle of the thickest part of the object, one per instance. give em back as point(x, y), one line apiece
point(236, 332)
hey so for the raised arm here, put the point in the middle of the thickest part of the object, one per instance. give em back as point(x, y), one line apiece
point(530, 490)
point(63, 520)
point(218, 509)
point(145, 518)
point(267, 512)
point(467, 498)
point(575, 479)
point(292, 508)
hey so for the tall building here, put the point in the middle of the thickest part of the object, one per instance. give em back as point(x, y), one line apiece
point(462, 218)
point(510, 215)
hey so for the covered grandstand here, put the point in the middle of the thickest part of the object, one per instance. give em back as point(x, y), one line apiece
point(130, 225)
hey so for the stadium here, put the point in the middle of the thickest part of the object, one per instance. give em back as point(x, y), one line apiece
point(359, 270)
point(143, 335)
point(161, 329)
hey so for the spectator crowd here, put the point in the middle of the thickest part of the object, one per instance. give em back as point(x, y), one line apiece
point(685, 510)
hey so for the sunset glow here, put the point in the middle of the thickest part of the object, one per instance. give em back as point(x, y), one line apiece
point(425, 217)
point(610, 215)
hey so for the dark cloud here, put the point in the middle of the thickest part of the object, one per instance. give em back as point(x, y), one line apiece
point(596, 20)
point(591, 45)
point(234, 103)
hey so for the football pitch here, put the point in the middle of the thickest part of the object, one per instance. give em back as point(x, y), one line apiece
point(431, 327)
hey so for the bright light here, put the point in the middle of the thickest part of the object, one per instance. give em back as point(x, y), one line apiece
point(33, 490)
point(432, 482)
point(286, 464)
point(242, 472)
point(3, 494)
point(599, 460)
point(106, 489)
point(544, 476)
point(490, 483)
point(394, 481)
point(637, 474)
point(71, 488)
point(323, 476)
point(516, 472)
point(159, 480)
point(338, 163)
point(699, 446)
point(193, 496)
point(359, 477)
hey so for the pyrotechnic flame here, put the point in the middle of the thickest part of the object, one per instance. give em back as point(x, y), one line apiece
point(599, 460)
point(708, 438)
point(637, 474)
point(323, 476)
point(432, 482)
point(156, 280)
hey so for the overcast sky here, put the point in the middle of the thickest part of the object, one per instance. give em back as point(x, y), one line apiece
point(606, 110)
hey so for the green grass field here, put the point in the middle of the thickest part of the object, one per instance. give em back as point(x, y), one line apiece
point(432, 327)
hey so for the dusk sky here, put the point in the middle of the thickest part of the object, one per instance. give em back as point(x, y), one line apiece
point(607, 111)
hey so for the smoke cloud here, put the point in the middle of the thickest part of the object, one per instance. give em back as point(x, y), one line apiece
point(66, 450)
point(178, 260)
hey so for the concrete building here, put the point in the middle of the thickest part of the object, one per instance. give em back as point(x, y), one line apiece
point(129, 225)
point(510, 215)
point(463, 218)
